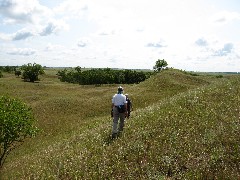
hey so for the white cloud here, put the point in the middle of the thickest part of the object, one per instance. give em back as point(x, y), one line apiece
point(53, 27)
point(21, 35)
point(22, 11)
point(38, 19)
point(201, 42)
point(157, 44)
point(49, 29)
point(83, 42)
point(227, 49)
point(22, 51)
point(74, 8)
point(225, 17)
point(53, 47)
point(106, 32)
point(5, 37)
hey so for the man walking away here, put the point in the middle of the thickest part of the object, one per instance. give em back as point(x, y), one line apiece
point(119, 106)
point(129, 105)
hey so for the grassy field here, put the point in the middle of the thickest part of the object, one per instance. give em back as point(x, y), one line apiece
point(182, 127)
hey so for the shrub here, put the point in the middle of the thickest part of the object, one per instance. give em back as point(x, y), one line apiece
point(219, 76)
point(160, 64)
point(18, 73)
point(32, 71)
point(103, 76)
point(16, 124)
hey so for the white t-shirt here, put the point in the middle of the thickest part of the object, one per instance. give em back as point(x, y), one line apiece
point(119, 99)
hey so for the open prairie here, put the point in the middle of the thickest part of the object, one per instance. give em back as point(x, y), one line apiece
point(182, 126)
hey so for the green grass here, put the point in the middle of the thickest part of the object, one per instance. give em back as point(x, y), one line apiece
point(182, 127)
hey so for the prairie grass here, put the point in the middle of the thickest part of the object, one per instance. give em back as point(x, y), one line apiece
point(182, 127)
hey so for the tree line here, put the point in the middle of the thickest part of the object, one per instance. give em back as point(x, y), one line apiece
point(102, 76)
point(8, 69)
point(30, 72)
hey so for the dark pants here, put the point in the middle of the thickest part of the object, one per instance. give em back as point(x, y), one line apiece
point(117, 125)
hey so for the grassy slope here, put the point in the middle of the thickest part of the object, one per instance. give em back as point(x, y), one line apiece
point(173, 132)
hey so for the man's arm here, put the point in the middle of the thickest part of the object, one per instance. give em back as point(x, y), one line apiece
point(126, 112)
point(112, 102)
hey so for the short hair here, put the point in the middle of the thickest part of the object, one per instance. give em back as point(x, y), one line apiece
point(120, 89)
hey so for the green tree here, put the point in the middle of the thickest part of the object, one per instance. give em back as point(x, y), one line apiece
point(32, 71)
point(1, 75)
point(78, 69)
point(17, 73)
point(16, 124)
point(7, 69)
point(102, 76)
point(160, 64)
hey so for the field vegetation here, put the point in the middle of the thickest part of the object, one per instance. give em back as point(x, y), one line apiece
point(102, 76)
point(184, 126)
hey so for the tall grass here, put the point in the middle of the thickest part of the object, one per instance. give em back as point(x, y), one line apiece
point(182, 127)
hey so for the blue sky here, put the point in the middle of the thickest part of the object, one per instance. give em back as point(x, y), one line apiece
point(199, 35)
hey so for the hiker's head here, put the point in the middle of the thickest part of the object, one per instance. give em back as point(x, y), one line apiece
point(120, 90)
point(126, 95)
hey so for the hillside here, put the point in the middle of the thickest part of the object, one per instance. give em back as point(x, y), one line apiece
point(182, 126)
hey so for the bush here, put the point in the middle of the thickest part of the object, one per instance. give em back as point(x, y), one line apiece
point(219, 76)
point(18, 73)
point(16, 124)
point(31, 72)
point(103, 76)
point(160, 64)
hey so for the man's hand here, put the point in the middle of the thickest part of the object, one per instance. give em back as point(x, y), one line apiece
point(112, 113)
point(126, 113)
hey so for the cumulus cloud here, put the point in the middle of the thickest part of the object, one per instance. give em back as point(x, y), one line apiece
point(104, 33)
point(22, 11)
point(227, 49)
point(225, 17)
point(83, 42)
point(32, 13)
point(52, 47)
point(21, 35)
point(5, 37)
point(53, 27)
point(109, 31)
point(73, 7)
point(49, 29)
point(159, 44)
point(201, 42)
point(215, 48)
point(22, 51)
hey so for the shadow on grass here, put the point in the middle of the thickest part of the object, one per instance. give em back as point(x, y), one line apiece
point(111, 138)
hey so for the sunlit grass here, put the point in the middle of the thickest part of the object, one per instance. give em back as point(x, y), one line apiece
point(182, 127)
